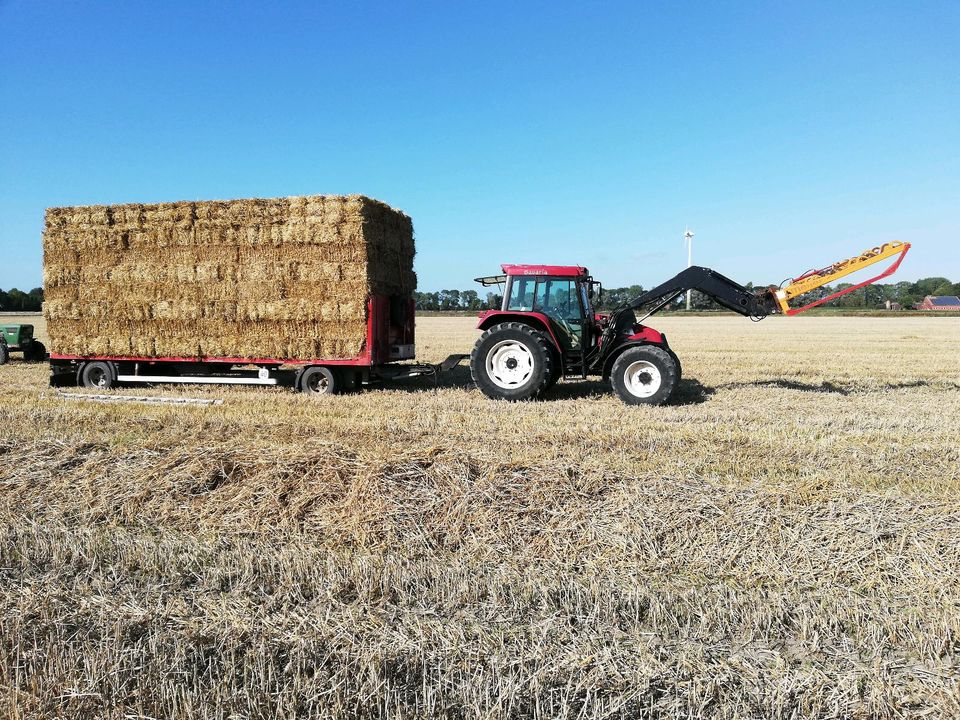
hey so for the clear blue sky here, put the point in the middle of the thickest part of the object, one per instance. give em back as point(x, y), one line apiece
point(786, 135)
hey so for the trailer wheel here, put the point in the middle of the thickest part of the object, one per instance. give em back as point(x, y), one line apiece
point(36, 353)
point(511, 361)
point(644, 375)
point(319, 380)
point(97, 376)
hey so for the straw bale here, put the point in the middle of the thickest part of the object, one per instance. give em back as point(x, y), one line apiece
point(262, 278)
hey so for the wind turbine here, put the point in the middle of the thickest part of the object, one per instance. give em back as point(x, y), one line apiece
point(688, 239)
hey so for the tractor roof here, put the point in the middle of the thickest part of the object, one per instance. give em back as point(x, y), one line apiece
point(553, 270)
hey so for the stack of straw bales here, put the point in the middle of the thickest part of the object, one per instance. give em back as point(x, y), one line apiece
point(278, 278)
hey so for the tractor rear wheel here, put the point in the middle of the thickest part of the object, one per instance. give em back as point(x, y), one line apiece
point(512, 361)
point(97, 376)
point(36, 352)
point(556, 366)
point(644, 375)
point(4, 354)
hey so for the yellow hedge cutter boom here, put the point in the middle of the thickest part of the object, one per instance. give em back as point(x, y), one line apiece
point(817, 278)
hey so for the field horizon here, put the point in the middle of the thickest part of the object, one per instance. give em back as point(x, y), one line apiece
point(781, 541)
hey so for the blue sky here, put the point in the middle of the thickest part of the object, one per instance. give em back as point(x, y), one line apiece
point(786, 135)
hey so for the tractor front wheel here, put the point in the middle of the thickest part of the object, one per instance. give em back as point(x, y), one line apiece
point(679, 366)
point(512, 361)
point(644, 375)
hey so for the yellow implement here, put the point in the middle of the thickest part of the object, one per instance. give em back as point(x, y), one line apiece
point(817, 278)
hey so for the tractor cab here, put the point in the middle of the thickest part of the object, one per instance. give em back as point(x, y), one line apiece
point(556, 299)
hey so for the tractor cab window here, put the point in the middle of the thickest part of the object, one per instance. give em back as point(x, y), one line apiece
point(558, 299)
point(522, 291)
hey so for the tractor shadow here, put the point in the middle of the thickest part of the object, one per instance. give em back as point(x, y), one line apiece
point(690, 391)
point(826, 386)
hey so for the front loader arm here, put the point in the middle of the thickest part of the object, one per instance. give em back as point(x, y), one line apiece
point(767, 301)
point(754, 304)
point(720, 288)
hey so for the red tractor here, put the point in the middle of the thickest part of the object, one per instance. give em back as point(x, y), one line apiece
point(547, 327)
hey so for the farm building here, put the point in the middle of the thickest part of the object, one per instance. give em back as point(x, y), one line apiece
point(939, 302)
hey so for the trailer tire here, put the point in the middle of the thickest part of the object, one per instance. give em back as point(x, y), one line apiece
point(4, 354)
point(319, 381)
point(644, 375)
point(511, 361)
point(97, 376)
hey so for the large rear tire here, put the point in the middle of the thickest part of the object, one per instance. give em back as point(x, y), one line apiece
point(644, 375)
point(36, 353)
point(556, 366)
point(97, 376)
point(4, 354)
point(512, 361)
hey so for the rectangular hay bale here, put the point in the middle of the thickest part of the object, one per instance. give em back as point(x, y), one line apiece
point(284, 278)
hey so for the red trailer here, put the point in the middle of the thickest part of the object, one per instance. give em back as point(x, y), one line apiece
point(390, 338)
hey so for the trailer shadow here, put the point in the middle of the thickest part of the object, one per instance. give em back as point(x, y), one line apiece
point(689, 392)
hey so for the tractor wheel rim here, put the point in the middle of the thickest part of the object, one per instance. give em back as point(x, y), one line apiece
point(318, 383)
point(642, 379)
point(509, 364)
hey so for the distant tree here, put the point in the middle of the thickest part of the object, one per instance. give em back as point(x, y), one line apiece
point(469, 300)
point(494, 301)
point(927, 286)
point(36, 299)
point(874, 296)
point(18, 300)
point(449, 299)
point(612, 297)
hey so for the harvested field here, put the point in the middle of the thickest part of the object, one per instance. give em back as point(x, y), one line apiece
point(782, 542)
point(263, 278)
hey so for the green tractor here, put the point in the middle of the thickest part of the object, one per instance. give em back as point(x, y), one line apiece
point(19, 338)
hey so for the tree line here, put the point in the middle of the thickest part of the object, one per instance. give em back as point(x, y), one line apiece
point(906, 294)
point(14, 300)
point(876, 296)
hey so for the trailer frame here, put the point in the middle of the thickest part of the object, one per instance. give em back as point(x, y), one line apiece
point(391, 333)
